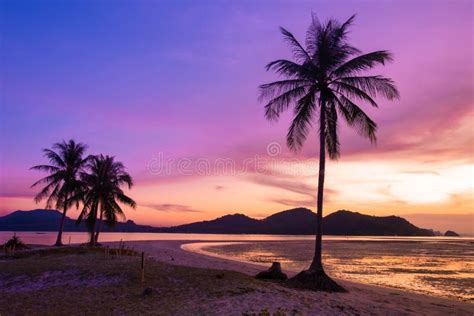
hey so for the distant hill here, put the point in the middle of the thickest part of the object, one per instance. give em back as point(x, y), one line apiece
point(48, 220)
point(451, 233)
point(228, 224)
point(302, 221)
point(342, 222)
point(298, 221)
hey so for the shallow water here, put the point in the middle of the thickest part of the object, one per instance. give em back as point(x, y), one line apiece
point(438, 267)
point(49, 238)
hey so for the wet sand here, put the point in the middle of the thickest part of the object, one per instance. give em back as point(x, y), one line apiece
point(361, 299)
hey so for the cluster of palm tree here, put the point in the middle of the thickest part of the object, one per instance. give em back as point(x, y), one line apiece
point(322, 83)
point(94, 182)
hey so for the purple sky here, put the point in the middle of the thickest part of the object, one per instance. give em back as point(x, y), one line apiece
point(140, 79)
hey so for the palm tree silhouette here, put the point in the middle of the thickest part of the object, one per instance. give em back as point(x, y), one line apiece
point(102, 191)
point(322, 83)
point(63, 183)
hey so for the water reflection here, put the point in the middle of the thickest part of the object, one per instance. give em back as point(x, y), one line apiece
point(439, 267)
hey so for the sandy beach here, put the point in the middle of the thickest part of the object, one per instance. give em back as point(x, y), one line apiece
point(361, 299)
point(44, 281)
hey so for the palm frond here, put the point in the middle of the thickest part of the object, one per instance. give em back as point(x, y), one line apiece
point(299, 52)
point(92, 217)
point(286, 68)
point(52, 197)
point(357, 118)
point(374, 86)
point(122, 198)
point(44, 192)
point(332, 139)
point(54, 158)
point(312, 34)
point(302, 121)
point(54, 178)
point(124, 178)
point(273, 89)
point(327, 43)
point(113, 209)
point(363, 62)
point(83, 213)
point(353, 92)
point(46, 168)
point(279, 104)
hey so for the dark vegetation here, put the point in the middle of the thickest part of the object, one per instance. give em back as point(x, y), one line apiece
point(299, 221)
point(93, 181)
point(13, 244)
point(302, 221)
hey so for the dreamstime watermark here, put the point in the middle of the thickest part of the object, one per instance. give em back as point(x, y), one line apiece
point(271, 162)
point(273, 149)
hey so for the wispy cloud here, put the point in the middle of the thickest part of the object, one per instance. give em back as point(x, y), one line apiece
point(285, 184)
point(16, 190)
point(16, 195)
point(295, 202)
point(171, 208)
point(421, 172)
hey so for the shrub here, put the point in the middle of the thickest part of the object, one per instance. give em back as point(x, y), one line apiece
point(15, 243)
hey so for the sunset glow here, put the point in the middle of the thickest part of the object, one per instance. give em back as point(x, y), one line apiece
point(178, 106)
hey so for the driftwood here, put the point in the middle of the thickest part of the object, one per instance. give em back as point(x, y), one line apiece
point(274, 273)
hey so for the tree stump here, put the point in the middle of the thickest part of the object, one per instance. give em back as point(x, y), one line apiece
point(274, 273)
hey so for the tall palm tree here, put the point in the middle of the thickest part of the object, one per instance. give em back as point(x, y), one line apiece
point(102, 192)
point(322, 83)
point(63, 183)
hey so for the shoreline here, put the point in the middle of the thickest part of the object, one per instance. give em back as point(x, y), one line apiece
point(178, 252)
point(182, 283)
point(193, 246)
point(243, 266)
point(29, 237)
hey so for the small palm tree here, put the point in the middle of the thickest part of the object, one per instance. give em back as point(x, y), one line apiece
point(323, 83)
point(63, 183)
point(102, 192)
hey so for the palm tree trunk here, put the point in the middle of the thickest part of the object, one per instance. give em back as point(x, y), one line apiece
point(99, 227)
point(315, 278)
point(92, 231)
point(317, 264)
point(59, 239)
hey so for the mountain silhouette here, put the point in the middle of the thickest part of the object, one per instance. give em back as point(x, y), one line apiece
point(342, 222)
point(298, 221)
point(48, 220)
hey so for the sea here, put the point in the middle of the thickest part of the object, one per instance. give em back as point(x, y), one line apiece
point(437, 266)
